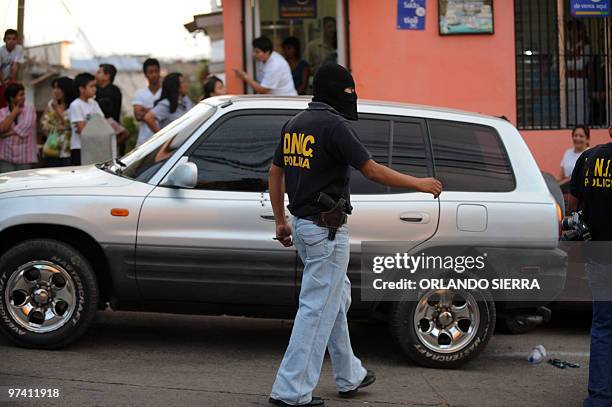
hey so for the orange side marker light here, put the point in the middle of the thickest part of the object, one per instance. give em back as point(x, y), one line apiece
point(120, 212)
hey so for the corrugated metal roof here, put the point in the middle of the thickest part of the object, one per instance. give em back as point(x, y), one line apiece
point(122, 63)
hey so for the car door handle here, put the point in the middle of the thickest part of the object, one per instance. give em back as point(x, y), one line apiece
point(414, 217)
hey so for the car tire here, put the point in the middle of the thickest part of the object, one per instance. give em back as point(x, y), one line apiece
point(409, 330)
point(48, 294)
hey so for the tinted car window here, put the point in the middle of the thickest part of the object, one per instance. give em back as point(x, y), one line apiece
point(374, 134)
point(470, 157)
point(408, 155)
point(144, 161)
point(236, 156)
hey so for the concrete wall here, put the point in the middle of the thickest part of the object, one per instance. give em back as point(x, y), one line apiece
point(470, 72)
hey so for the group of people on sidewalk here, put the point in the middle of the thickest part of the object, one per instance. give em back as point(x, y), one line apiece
point(74, 103)
point(76, 100)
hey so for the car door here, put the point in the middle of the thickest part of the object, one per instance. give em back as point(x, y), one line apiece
point(381, 213)
point(386, 214)
point(213, 243)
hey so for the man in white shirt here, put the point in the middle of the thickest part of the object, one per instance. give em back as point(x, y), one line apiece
point(82, 109)
point(273, 71)
point(145, 98)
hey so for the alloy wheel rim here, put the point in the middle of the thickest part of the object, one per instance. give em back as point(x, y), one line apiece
point(40, 296)
point(446, 321)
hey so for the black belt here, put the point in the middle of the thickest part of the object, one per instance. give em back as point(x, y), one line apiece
point(315, 218)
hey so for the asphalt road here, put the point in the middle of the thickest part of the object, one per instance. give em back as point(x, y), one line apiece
point(132, 359)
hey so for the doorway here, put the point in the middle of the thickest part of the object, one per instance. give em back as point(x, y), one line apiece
point(318, 25)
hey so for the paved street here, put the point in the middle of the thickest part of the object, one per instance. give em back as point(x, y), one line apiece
point(129, 359)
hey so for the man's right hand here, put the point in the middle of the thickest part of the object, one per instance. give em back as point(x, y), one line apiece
point(387, 176)
point(16, 110)
point(430, 185)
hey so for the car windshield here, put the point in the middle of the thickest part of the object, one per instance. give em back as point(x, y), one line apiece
point(144, 161)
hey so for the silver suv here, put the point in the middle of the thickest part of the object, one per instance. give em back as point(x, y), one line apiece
point(184, 223)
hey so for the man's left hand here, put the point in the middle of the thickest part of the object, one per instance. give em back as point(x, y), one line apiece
point(283, 234)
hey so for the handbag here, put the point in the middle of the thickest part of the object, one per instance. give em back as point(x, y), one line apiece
point(52, 146)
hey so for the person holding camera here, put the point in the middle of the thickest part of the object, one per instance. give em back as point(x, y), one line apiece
point(591, 192)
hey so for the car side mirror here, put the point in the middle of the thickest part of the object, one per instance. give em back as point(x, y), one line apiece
point(183, 175)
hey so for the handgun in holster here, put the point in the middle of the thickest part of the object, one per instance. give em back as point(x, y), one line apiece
point(335, 217)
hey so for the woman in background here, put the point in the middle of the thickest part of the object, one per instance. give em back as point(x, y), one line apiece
point(18, 150)
point(213, 86)
point(300, 70)
point(55, 124)
point(580, 140)
point(172, 104)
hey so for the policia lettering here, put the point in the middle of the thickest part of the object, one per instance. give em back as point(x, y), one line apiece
point(601, 176)
point(297, 149)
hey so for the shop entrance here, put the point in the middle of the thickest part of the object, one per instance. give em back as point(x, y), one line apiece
point(318, 26)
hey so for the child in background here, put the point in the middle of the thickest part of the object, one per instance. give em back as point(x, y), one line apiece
point(81, 111)
point(11, 59)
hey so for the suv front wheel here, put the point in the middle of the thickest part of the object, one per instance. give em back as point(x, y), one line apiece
point(445, 328)
point(48, 294)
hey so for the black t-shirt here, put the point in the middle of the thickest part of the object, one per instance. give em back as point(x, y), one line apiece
point(316, 148)
point(113, 93)
point(592, 184)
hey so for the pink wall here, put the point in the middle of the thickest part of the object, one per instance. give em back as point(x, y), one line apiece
point(548, 146)
point(470, 72)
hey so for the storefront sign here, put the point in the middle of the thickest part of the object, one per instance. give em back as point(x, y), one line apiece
point(590, 8)
point(411, 14)
point(466, 17)
point(297, 8)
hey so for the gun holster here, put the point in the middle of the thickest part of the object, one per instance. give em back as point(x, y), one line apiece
point(334, 218)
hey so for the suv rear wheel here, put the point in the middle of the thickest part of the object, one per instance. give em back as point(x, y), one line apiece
point(48, 294)
point(445, 328)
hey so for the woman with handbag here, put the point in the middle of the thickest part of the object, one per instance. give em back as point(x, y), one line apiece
point(55, 124)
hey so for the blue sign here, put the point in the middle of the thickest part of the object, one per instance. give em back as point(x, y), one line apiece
point(590, 8)
point(411, 14)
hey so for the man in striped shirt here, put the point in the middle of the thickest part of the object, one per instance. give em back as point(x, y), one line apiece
point(18, 149)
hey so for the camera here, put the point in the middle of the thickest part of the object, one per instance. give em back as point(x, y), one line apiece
point(576, 229)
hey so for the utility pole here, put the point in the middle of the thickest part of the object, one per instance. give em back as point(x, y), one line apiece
point(20, 15)
point(20, 18)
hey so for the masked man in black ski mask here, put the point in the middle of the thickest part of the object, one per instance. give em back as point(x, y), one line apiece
point(312, 164)
point(335, 86)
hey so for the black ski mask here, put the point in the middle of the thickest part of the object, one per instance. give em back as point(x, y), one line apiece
point(328, 87)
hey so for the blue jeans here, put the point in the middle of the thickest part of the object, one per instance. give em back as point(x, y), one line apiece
point(320, 322)
point(600, 364)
